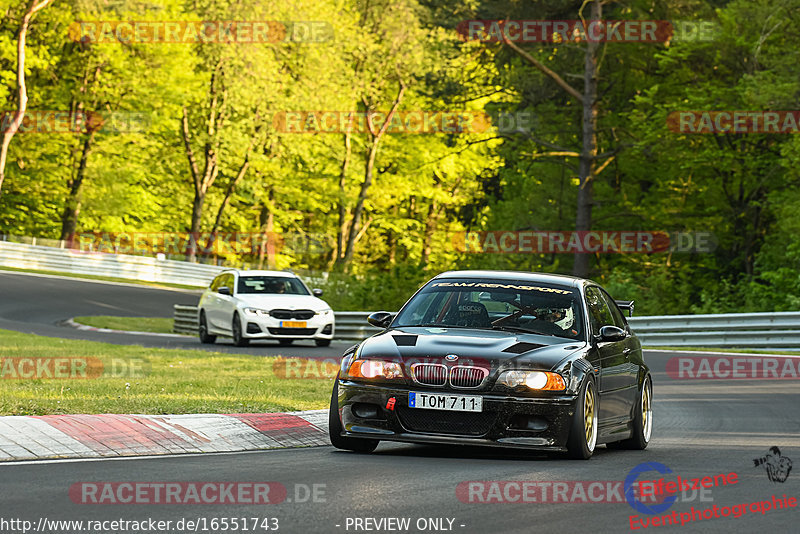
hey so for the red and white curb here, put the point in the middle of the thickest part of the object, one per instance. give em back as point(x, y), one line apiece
point(110, 435)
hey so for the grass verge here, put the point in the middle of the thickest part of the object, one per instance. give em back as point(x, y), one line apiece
point(140, 380)
point(158, 325)
point(102, 278)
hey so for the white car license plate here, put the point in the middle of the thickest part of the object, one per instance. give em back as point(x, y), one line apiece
point(436, 401)
point(293, 324)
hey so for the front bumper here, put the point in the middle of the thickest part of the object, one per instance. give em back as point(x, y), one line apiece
point(266, 327)
point(506, 421)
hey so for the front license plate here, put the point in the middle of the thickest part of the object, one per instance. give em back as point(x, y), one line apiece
point(293, 324)
point(454, 403)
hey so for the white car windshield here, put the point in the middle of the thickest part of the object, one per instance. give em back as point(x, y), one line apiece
point(279, 285)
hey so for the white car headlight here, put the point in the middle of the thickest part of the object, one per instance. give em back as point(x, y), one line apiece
point(325, 313)
point(256, 311)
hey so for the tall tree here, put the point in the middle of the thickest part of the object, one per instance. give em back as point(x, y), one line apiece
point(587, 156)
point(22, 91)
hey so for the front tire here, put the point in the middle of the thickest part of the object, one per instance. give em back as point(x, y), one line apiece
point(642, 420)
point(583, 432)
point(236, 328)
point(335, 429)
point(202, 330)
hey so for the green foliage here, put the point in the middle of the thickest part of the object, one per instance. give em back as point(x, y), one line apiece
point(158, 381)
point(427, 188)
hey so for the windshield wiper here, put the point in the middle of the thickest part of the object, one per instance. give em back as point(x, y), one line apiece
point(510, 328)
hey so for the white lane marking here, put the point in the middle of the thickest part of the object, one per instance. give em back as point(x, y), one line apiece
point(86, 328)
point(148, 457)
point(731, 354)
point(197, 291)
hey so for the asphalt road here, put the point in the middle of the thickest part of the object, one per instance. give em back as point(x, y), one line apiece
point(36, 304)
point(702, 428)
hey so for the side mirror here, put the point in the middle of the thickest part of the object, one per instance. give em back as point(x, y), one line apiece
point(316, 292)
point(612, 333)
point(224, 290)
point(381, 319)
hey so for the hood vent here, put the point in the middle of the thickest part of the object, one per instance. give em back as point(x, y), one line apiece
point(521, 347)
point(405, 341)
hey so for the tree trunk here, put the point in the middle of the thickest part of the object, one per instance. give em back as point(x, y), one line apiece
point(266, 222)
point(226, 201)
point(354, 232)
point(362, 197)
point(586, 168)
point(430, 229)
point(342, 201)
point(22, 91)
point(202, 182)
point(69, 218)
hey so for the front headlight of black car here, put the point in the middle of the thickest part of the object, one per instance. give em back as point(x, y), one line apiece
point(369, 369)
point(538, 380)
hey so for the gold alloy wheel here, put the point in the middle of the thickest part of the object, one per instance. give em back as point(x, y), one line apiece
point(590, 417)
point(647, 410)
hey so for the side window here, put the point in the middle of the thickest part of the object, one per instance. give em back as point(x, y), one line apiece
point(619, 319)
point(216, 283)
point(227, 281)
point(599, 313)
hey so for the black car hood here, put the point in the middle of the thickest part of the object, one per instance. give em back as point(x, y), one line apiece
point(492, 348)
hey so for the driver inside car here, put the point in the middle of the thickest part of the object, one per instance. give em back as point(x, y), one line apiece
point(549, 320)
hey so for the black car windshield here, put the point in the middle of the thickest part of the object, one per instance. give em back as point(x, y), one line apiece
point(270, 285)
point(516, 306)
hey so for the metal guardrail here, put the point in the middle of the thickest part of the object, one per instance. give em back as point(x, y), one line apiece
point(184, 319)
point(353, 325)
point(35, 257)
point(780, 330)
point(349, 325)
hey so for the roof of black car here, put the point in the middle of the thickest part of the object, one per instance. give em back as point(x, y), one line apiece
point(542, 278)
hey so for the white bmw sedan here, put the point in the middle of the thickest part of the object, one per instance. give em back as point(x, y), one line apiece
point(247, 305)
